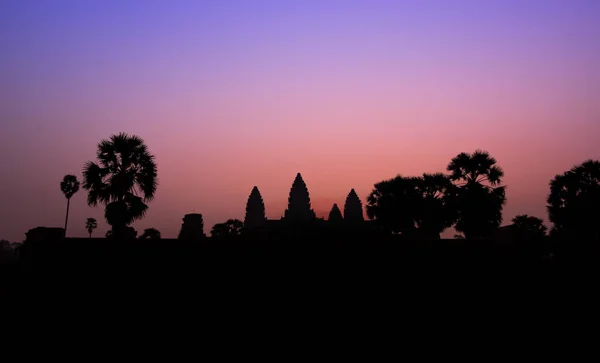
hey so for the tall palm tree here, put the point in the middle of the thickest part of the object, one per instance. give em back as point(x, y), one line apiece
point(480, 196)
point(90, 225)
point(124, 180)
point(69, 186)
point(478, 168)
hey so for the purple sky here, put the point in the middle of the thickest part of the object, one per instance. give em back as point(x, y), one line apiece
point(232, 94)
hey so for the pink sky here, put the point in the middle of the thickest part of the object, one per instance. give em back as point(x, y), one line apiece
point(345, 98)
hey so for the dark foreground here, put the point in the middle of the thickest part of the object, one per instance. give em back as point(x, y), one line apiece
point(384, 265)
point(305, 287)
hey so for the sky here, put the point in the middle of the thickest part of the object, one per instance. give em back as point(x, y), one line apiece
point(232, 94)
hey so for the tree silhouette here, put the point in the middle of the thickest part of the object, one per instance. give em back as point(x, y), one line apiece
point(299, 203)
point(529, 228)
point(124, 180)
point(150, 233)
point(353, 212)
point(435, 204)
point(335, 215)
point(90, 225)
point(69, 186)
point(480, 197)
point(255, 210)
point(414, 206)
point(574, 203)
point(229, 229)
point(392, 204)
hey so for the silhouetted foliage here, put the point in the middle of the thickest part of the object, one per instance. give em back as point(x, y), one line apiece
point(127, 233)
point(480, 196)
point(353, 212)
point(412, 206)
point(150, 233)
point(90, 225)
point(392, 204)
point(299, 203)
point(7, 252)
point(192, 228)
point(69, 186)
point(231, 228)
point(125, 171)
point(130, 233)
point(335, 215)
point(529, 228)
point(44, 234)
point(574, 203)
point(255, 210)
point(437, 204)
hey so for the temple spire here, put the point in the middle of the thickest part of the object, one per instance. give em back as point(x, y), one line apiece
point(353, 211)
point(299, 202)
point(255, 210)
point(335, 216)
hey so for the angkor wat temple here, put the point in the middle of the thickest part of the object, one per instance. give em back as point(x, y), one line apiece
point(299, 212)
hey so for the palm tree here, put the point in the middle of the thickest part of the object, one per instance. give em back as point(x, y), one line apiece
point(480, 197)
point(90, 225)
point(150, 233)
point(69, 186)
point(478, 167)
point(124, 180)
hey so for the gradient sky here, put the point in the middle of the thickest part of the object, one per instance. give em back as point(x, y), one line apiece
point(232, 94)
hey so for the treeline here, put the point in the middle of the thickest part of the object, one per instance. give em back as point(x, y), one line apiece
point(469, 196)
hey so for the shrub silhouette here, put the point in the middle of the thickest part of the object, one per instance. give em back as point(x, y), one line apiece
point(231, 228)
point(150, 233)
point(528, 228)
point(255, 210)
point(69, 186)
point(353, 212)
point(299, 203)
point(125, 170)
point(480, 197)
point(127, 233)
point(90, 225)
point(574, 203)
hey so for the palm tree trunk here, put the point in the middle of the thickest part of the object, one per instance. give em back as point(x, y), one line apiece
point(67, 217)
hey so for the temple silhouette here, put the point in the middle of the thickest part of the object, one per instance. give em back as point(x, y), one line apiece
point(299, 214)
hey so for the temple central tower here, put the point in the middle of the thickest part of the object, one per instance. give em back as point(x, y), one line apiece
point(299, 203)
